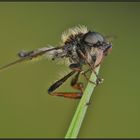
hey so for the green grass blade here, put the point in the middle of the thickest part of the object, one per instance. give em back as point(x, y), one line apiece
point(80, 113)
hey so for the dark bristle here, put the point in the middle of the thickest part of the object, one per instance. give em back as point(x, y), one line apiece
point(73, 37)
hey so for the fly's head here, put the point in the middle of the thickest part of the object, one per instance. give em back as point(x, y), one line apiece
point(95, 43)
point(96, 40)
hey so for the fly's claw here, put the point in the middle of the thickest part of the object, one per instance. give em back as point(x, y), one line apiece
point(99, 81)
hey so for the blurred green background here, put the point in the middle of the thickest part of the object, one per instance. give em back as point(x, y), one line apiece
point(26, 110)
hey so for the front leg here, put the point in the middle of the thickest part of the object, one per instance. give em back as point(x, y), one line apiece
point(99, 80)
point(77, 67)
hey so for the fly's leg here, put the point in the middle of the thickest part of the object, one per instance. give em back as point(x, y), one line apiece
point(58, 84)
point(77, 85)
point(73, 95)
point(77, 67)
point(74, 84)
point(105, 53)
point(87, 78)
point(99, 80)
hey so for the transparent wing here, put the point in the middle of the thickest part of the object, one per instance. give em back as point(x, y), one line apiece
point(24, 56)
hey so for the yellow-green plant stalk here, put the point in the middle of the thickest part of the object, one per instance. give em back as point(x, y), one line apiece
point(80, 113)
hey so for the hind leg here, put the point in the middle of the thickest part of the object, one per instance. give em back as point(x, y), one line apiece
point(74, 84)
point(77, 85)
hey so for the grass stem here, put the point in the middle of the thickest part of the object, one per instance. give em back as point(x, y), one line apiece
point(80, 113)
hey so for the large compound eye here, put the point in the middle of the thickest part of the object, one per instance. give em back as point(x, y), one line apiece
point(93, 38)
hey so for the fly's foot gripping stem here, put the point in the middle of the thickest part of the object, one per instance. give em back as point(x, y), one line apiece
point(99, 81)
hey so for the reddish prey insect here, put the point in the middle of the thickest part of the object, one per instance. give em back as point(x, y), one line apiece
point(80, 47)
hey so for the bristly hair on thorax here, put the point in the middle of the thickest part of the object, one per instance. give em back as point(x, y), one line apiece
point(73, 32)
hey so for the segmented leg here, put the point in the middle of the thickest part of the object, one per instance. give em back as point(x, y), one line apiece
point(59, 82)
point(105, 53)
point(77, 67)
point(99, 80)
point(77, 85)
point(74, 84)
point(87, 78)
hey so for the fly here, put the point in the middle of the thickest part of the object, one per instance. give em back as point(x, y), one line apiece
point(80, 47)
